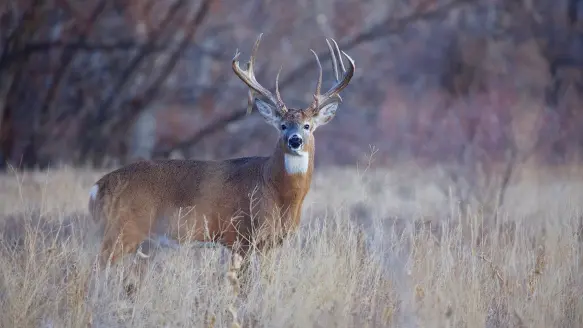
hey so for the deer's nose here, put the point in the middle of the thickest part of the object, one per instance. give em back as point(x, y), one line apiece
point(295, 141)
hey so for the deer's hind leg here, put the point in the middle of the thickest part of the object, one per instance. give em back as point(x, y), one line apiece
point(119, 242)
point(122, 238)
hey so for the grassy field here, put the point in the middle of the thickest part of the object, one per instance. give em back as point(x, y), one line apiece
point(375, 249)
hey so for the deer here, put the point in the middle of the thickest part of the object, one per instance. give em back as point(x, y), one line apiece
point(238, 203)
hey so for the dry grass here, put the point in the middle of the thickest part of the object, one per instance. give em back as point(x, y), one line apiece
point(382, 248)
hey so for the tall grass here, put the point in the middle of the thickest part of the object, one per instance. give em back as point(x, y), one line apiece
point(376, 249)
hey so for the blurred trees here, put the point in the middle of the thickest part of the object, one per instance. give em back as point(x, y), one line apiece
point(473, 83)
point(76, 73)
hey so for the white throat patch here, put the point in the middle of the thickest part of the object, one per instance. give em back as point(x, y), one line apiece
point(297, 164)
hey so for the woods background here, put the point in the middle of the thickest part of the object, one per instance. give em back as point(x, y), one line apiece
point(464, 82)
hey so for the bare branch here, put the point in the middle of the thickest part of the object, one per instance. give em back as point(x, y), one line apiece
point(135, 62)
point(9, 78)
point(153, 90)
point(89, 46)
point(11, 41)
point(65, 61)
point(97, 132)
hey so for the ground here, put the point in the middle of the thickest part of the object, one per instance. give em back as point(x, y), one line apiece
point(376, 248)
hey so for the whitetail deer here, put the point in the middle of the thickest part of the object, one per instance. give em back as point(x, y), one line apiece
point(241, 202)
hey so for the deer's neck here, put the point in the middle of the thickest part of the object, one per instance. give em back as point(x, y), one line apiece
point(291, 174)
point(297, 165)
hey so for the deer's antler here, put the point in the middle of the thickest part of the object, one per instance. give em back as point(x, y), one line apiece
point(248, 76)
point(333, 94)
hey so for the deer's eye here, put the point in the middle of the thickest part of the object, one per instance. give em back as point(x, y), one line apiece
point(306, 126)
point(283, 127)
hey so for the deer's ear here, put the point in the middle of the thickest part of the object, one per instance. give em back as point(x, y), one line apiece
point(326, 113)
point(268, 112)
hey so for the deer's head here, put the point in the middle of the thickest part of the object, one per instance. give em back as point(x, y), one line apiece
point(296, 125)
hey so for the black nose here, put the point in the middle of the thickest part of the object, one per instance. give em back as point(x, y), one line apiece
point(295, 141)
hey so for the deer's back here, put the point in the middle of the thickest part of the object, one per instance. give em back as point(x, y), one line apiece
point(158, 188)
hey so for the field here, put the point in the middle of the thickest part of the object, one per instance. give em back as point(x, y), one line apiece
point(377, 248)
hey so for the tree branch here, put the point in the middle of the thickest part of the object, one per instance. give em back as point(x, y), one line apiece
point(97, 131)
point(154, 87)
point(88, 46)
point(10, 75)
point(65, 61)
point(12, 39)
point(135, 62)
point(93, 122)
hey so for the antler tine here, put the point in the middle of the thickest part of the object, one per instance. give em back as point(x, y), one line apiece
point(250, 94)
point(277, 94)
point(339, 57)
point(319, 84)
point(347, 75)
point(248, 77)
point(251, 63)
point(340, 84)
point(334, 63)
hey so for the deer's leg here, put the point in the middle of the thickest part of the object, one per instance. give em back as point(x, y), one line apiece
point(119, 241)
point(115, 246)
point(239, 272)
point(101, 261)
point(144, 254)
point(125, 234)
